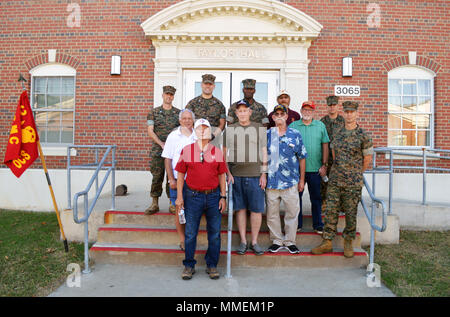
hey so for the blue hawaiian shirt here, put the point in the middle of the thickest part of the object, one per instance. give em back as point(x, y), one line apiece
point(284, 155)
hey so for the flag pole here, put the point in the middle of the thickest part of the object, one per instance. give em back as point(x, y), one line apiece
point(41, 154)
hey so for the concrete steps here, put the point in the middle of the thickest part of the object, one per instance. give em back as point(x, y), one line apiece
point(147, 254)
point(165, 219)
point(135, 238)
point(131, 234)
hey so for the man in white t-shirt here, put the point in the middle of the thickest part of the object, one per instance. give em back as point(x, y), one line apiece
point(176, 141)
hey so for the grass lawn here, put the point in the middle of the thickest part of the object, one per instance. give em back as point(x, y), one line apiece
point(32, 257)
point(33, 261)
point(419, 266)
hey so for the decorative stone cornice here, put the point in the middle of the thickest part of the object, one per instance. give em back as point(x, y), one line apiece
point(262, 21)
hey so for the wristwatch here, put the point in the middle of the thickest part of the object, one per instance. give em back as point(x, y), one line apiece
point(223, 197)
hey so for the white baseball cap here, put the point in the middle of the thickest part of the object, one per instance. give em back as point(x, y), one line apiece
point(283, 92)
point(200, 122)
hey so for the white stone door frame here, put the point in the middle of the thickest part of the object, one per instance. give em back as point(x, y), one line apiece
point(232, 34)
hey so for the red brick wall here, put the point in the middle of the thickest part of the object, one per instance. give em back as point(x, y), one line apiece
point(112, 109)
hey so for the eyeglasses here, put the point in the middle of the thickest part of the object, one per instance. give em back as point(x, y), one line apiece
point(201, 157)
point(279, 114)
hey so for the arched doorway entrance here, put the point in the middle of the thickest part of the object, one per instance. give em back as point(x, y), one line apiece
point(252, 36)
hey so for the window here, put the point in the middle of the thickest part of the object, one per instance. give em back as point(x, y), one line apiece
point(411, 107)
point(53, 103)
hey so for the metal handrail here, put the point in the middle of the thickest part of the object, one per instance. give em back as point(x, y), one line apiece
point(230, 229)
point(390, 171)
point(88, 166)
point(88, 208)
point(401, 151)
point(371, 217)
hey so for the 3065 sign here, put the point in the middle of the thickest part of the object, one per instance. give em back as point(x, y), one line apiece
point(352, 91)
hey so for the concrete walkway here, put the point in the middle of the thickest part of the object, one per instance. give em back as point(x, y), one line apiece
point(128, 280)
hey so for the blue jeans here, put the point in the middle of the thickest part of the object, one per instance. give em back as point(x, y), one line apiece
point(313, 180)
point(195, 204)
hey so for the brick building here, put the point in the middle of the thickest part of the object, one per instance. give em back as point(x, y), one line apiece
point(399, 51)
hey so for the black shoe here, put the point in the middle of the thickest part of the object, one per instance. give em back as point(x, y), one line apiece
point(274, 248)
point(319, 230)
point(293, 249)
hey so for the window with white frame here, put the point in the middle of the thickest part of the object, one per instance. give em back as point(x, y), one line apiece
point(53, 103)
point(411, 107)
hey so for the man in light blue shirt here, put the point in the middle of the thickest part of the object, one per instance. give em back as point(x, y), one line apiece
point(286, 178)
point(315, 136)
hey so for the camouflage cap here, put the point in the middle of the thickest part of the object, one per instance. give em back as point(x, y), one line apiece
point(169, 90)
point(332, 100)
point(249, 83)
point(280, 107)
point(208, 78)
point(350, 105)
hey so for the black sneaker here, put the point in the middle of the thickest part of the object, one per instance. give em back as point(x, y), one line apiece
point(274, 248)
point(293, 249)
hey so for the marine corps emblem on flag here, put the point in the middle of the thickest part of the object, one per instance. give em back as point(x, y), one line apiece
point(22, 150)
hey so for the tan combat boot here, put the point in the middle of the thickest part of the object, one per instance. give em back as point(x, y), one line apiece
point(324, 247)
point(154, 208)
point(172, 208)
point(348, 248)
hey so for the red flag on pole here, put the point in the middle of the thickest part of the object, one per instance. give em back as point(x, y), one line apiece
point(22, 150)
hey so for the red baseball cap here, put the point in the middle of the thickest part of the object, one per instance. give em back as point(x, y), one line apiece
point(309, 104)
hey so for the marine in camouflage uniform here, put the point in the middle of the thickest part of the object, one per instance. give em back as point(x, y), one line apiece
point(163, 122)
point(211, 109)
point(345, 184)
point(333, 126)
point(259, 112)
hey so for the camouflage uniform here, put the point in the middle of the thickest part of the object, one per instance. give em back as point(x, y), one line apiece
point(333, 126)
point(164, 121)
point(211, 109)
point(259, 112)
point(346, 180)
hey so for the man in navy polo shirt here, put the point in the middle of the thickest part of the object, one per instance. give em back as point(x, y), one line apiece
point(205, 169)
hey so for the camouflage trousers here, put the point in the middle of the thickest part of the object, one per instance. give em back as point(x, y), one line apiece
point(158, 170)
point(324, 186)
point(323, 189)
point(346, 198)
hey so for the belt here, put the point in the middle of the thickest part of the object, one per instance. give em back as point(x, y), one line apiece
point(206, 192)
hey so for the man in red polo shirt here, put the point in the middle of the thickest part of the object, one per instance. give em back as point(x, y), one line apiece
point(205, 192)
